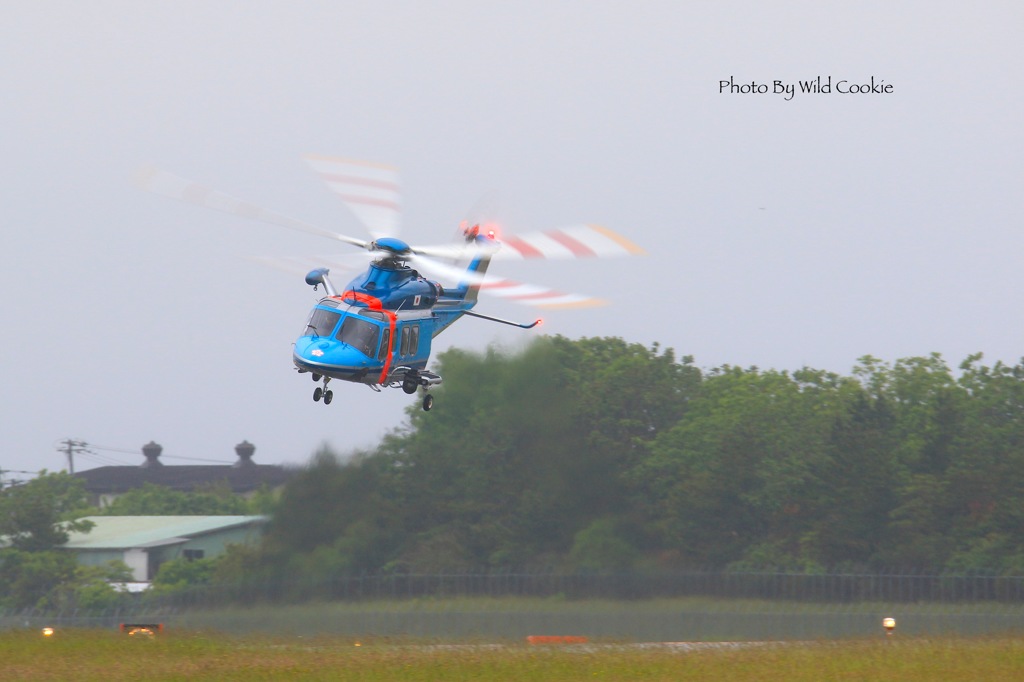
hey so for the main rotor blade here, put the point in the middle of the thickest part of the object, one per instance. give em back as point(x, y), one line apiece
point(167, 184)
point(526, 294)
point(370, 190)
point(574, 241)
point(300, 265)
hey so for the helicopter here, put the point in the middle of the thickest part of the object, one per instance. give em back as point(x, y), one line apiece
point(378, 329)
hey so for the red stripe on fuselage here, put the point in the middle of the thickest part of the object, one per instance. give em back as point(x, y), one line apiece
point(374, 303)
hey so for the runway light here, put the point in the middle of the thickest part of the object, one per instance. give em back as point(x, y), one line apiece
point(556, 639)
point(47, 632)
point(889, 624)
point(144, 629)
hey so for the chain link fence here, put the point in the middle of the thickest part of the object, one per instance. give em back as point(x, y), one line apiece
point(690, 606)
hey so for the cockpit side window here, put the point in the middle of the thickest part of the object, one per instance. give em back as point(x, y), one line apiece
point(321, 322)
point(359, 334)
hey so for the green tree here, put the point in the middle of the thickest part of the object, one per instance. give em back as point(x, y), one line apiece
point(181, 574)
point(27, 578)
point(38, 515)
point(157, 500)
point(330, 504)
point(859, 483)
point(604, 545)
point(739, 469)
point(35, 519)
point(90, 588)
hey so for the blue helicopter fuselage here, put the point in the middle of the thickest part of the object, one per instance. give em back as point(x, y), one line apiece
point(380, 327)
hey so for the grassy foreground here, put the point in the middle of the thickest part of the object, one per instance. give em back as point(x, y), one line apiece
point(110, 656)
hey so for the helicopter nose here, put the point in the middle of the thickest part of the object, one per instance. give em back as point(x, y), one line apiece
point(315, 350)
point(348, 356)
point(330, 352)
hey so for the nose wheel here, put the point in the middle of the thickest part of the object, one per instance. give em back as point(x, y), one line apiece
point(428, 402)
point(323, 392)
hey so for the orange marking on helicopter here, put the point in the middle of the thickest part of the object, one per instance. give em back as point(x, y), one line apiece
point(578, 248)
point(374, 303)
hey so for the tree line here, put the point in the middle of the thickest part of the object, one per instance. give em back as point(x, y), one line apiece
point(598, 454)
point(602, 455)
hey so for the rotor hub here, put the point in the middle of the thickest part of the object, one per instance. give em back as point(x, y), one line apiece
point(392, 245)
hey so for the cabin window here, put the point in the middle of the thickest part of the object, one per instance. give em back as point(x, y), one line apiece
point(321, 322)
point(385, 346)
point(414, 340)
point(410, 340)
point(359, 334)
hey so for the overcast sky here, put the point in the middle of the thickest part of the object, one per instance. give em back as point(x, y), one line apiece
point(783, 230)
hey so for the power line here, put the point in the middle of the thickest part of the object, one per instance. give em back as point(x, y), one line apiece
point(13, 482)
point(196, 459)
point(163, 456)
point(110, 449)
point(102, 459)
point(71, 447)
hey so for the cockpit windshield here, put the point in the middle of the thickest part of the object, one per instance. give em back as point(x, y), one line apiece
point(321, 322)
point(360, 334)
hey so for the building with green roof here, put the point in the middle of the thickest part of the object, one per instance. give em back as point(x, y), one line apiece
point(145, 542)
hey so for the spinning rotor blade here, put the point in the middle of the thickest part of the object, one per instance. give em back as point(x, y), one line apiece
point(170, 185)
point(300, 265)
point(370, 190)
point(575, 241)
point(526, 294)
point(529, 294)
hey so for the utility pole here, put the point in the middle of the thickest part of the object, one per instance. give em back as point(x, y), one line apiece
point(69, 447)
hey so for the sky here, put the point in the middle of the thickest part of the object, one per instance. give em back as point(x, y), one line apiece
point(783, 229)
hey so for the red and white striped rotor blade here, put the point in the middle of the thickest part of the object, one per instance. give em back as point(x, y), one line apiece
point(370, 190)
point(526, 294)
point(541, 297)
point(575, 241)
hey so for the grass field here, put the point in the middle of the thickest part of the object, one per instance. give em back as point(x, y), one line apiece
point(110, 656)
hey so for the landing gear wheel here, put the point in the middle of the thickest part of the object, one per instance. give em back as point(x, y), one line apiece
point(316, 378)
point(428, 402)
point(410, 386)
point(328, 397)
point(317, 394)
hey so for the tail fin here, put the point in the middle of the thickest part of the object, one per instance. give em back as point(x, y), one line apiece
point(478, 266)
